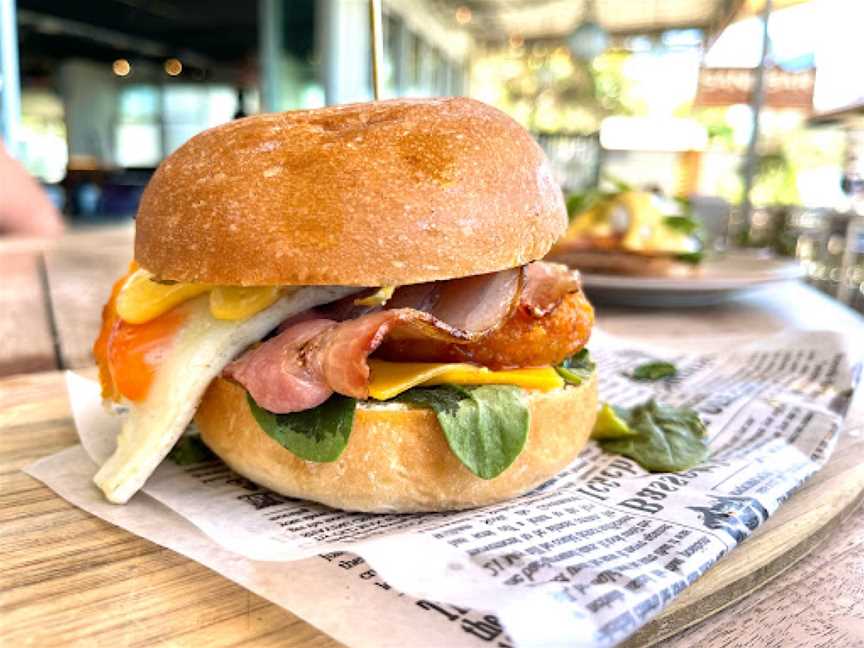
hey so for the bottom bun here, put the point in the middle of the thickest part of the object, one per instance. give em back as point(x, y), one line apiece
point(625, 263)
point(397, 459)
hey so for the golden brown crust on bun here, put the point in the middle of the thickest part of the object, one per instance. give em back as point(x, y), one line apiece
point(625, 263)
point(397, 459)
point(383, 193)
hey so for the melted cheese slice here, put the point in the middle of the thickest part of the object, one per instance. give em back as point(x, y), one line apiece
point(142, 298)
point(389, 379)
point(237, 302)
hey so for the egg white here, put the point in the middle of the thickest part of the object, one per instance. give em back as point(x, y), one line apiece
point(201, 349)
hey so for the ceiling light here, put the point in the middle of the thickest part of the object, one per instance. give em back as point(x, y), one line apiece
point(172, 67)
point(121, 67)
point(590, 39)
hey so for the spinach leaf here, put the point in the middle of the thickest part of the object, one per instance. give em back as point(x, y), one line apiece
point(683, 224)
point(620, 185)
point(190, 450)
point(579, 203)
point(319, 434)
point(658, 437)
point(656, 370)
point(687, 223)
point(577, 368)
point(485, 426)
point(693, 258)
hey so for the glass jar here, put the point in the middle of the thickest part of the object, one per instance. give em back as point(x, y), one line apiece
point(851, 286)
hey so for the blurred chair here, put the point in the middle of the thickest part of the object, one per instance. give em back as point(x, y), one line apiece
point(119, 199)
point(99, 196)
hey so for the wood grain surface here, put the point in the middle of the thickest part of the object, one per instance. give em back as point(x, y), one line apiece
point(818, 603)
point(51, 295)
point(26, 339)
point(80, 281)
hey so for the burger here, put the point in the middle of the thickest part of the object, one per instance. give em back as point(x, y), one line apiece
point(347, 305)
point(628, 232)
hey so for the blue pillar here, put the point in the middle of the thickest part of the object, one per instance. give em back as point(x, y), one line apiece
point(10, 84)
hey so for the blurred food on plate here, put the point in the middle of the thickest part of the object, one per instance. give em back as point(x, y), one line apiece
point(630, 231)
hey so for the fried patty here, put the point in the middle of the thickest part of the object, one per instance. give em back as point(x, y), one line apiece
point(525, 339)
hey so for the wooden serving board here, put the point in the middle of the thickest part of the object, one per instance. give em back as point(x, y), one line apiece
point(67, 577)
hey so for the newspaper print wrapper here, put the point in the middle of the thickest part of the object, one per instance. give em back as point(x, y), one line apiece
point(584, 560)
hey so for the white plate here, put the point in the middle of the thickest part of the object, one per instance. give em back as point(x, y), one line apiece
point(721, 279)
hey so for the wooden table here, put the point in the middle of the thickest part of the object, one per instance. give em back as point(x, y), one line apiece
point(50, 299)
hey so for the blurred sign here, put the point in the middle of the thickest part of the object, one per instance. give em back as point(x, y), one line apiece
point(727, 86)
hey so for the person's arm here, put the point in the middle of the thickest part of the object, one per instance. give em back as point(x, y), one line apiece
point(25, 209)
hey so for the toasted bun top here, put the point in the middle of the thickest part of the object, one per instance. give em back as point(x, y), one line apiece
point(383, 193)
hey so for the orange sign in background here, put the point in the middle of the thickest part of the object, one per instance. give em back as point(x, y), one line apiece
point(727, 86)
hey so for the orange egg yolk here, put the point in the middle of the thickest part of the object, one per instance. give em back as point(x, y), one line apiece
point(129, 354)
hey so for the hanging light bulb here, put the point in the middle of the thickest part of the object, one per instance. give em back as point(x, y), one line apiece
point(589, 40)
point(172, 67)
point(463, 15)
point(121, 67)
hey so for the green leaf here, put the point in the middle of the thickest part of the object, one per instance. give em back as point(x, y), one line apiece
point(691, 257)
point(190, 450)
point(485, 426)
point(684, 224)
point(620, 185)
point(660, 438)
point(577, 368)
point(655, 370)
point(319, 434)
point(577, 203)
